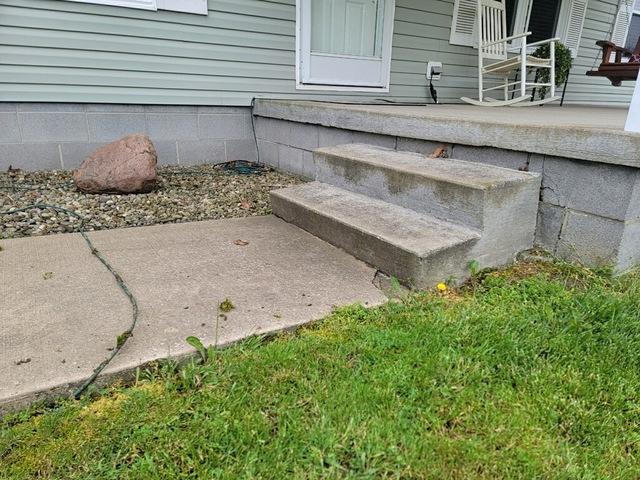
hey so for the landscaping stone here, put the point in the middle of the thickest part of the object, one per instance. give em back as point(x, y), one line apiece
point(127, 165)
point(182, 194)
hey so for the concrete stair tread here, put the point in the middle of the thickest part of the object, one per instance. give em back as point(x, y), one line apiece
point(417, 233)
point(460, 172)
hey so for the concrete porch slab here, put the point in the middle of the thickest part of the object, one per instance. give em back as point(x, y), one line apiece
point(61, 310)
point(586, 133)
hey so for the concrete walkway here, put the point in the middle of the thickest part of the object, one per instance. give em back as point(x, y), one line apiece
point(61, 310)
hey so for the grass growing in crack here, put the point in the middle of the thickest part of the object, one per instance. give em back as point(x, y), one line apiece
point(529, 372)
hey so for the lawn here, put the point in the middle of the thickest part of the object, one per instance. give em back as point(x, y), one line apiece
point(531, 372)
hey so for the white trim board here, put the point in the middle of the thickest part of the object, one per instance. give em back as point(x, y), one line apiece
point(141, 4)
point(199, 7)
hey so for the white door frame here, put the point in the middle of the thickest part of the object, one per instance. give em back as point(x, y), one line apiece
point(387, 41)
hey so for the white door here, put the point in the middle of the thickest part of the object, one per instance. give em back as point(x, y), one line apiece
point(345, 42)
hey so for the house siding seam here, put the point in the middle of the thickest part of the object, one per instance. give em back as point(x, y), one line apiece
point(59, 51)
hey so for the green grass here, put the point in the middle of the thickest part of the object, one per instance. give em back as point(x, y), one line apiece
point(532, 373)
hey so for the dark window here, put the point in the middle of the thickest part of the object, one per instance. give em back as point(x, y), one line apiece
point(543, 20)
point(634, 32)
point(511, 6)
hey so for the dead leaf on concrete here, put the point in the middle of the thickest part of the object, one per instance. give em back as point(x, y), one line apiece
point(242, 243)
point(22, 361)
point(440, 152)
point(47, 275)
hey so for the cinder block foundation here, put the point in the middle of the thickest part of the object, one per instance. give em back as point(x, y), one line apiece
point(44, 136)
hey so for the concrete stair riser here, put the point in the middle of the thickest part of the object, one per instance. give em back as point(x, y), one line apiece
point(453, 190)
point(443, 200)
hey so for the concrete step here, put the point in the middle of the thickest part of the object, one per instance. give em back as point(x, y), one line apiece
point(463, 192)
point(419, 249)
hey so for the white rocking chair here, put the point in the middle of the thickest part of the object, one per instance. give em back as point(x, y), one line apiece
point(493, 60)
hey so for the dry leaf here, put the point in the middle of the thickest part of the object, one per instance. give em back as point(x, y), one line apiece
point(440, 152)
point(242, 243)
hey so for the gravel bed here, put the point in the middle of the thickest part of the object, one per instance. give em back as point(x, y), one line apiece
point(183, 194)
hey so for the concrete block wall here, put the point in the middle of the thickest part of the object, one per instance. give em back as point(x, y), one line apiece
point(588, 212)
point(39, 136)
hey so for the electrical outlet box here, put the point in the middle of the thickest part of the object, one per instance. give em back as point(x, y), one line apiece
point(434, 70)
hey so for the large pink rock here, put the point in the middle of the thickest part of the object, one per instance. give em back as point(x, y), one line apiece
point(127, 165)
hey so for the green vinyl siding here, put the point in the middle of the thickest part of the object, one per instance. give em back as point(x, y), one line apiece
point(582, 89)
point(59, 51)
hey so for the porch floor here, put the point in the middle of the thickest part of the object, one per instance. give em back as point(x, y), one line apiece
point(586, 133)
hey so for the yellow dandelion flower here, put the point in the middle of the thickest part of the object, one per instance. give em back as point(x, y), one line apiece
point(442, 287)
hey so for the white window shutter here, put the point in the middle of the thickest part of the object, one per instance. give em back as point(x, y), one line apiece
point(143, 4)
point(572, 30)
point(623, 20)
point(463, 26)
point(186, 6)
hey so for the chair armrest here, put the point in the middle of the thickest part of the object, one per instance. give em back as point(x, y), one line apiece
point(616, 48)
point(605, 43)
point(609, 47)
point(542, 42)
point(506, 39)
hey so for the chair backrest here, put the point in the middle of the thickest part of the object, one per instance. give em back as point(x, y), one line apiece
point(492, 27)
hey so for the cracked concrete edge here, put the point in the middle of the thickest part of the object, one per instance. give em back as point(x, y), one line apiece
point(390, 286)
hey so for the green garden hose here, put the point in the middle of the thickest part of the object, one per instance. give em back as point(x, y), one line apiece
point(122, 338)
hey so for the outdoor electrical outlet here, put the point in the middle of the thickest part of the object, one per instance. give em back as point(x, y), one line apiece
point(434, 70)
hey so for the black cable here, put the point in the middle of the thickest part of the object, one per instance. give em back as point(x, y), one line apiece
point(124, 336)
point(433, 92)
point(253, 128)
point(380, 101)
